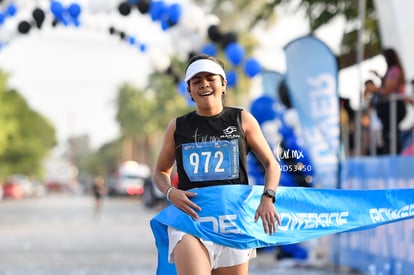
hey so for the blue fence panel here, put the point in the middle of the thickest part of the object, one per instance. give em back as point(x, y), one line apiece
point(387, 249)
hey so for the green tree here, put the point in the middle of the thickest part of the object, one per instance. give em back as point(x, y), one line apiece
point(30, 141)
point(8, 124)
point(104, 160)
point(135, 108)
point(144, 113)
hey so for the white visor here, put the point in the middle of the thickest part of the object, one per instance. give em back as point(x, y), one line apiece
point(203, 65)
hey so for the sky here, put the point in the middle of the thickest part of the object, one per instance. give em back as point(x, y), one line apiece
point(71, 75)
point(72, 79)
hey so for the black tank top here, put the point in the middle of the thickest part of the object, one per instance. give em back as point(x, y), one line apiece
point(210, 150)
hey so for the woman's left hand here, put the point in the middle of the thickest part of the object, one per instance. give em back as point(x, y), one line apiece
point(267, 212)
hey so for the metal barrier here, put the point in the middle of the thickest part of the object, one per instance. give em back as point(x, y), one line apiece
point(357, 134)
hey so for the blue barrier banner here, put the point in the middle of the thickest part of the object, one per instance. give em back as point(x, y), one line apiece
point(306, 213)
point(387, 249)
point(312, 81)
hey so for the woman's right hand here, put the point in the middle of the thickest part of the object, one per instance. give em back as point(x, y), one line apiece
point(181, 199)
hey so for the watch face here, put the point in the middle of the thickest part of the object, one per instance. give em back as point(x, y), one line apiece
point(270, 193)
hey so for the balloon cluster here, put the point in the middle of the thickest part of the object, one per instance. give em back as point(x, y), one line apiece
point(131, 39)
point(192, 26)
point(159, 11)
point(61, 14)
point(65, 15)
point(286, 145)
point(233, 51)
point(167, 15)
point(38, 17)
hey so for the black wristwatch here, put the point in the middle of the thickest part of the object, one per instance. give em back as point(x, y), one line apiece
point(270, 194)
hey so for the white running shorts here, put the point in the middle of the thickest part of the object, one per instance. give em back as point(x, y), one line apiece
point(220, 256)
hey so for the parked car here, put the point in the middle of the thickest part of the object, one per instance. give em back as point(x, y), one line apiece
point(17, 187)
point(152, 195)
point(39, 189)
point(129, 179)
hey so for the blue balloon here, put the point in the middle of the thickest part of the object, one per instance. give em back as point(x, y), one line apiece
point(285, 130)
point(209, 49)
point(76, 22)
point(174, 13)
point(74, 10)
point(11, 9)
point(234, 53)
point(165, 24)
point(291, 142)
point(2, 18)
point(57, 9)
point(143, 47)
point(252, 67)
point(262, 108)
point(231, 77)
point(157, 9)
point(295, 251)
point(182, 88)
point(132, 40)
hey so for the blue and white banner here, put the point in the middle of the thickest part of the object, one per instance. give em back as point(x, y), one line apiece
point(312, 80)
point(306, 213)
point(386, 249)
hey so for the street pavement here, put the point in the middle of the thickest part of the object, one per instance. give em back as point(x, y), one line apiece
point(63, 234)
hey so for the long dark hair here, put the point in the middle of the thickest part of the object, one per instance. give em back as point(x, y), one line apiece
point(392, 59)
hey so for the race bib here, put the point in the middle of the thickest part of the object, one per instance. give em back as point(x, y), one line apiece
point(218, 160)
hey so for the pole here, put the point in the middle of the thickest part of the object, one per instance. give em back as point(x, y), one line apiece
point(393, 126)
point(360, 56)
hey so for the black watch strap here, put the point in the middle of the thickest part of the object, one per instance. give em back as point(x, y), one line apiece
point(270, 194)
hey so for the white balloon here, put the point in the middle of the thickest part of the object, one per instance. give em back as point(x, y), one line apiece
point(159, 60)
point(192, 19)
point(212, 19)
point(94, 6)
point(7, 31)
point(107, 6)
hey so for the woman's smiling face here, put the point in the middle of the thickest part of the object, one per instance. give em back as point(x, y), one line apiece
point(207, 89)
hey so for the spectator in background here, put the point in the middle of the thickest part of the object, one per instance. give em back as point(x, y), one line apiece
point(393, 82)
point(98, 190)
point(347, 125)
point(374, 126)
point(407, 135)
